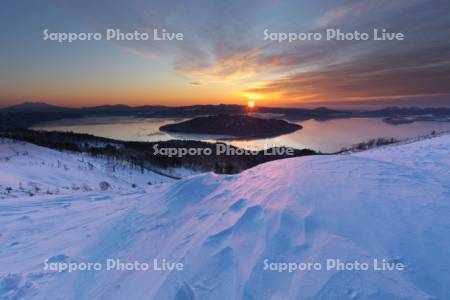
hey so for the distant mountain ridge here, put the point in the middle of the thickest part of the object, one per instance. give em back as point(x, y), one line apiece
point(31, 113)
point(34, 106)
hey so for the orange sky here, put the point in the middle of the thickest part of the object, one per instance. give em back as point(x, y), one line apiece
point(221, 61)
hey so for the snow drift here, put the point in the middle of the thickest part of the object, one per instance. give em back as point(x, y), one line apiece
point(390, 203)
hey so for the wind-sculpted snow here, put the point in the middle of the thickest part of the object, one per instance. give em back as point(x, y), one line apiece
point(389, 203)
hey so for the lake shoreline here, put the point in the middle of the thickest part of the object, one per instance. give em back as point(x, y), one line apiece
point(325, 136)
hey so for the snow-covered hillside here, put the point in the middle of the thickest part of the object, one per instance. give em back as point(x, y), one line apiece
point(29, 170)
point(391, 204)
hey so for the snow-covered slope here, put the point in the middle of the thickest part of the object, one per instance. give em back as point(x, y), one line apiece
point(27, 169)
point(390, 204)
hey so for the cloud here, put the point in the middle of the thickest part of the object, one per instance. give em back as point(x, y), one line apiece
point(420, 65)
point(363, 79)
point(217, 35)
point(224, 42)
point(362, 11)
point(242, 64)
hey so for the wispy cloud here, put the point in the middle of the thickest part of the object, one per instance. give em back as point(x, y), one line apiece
point(224, 42)
point(420, 65)
point(358, 12)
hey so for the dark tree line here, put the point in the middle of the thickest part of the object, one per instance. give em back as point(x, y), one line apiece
point(141, 154)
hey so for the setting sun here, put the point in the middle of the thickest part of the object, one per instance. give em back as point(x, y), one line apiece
point(251, 104)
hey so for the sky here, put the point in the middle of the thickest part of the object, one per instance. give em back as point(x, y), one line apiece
point(224, 56)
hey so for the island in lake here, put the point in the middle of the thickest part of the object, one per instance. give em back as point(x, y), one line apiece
point(237, 126)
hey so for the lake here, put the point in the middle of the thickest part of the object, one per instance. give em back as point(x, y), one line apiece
point(325, 136)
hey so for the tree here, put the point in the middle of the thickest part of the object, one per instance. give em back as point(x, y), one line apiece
point(229, 168)
point(217, 168)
